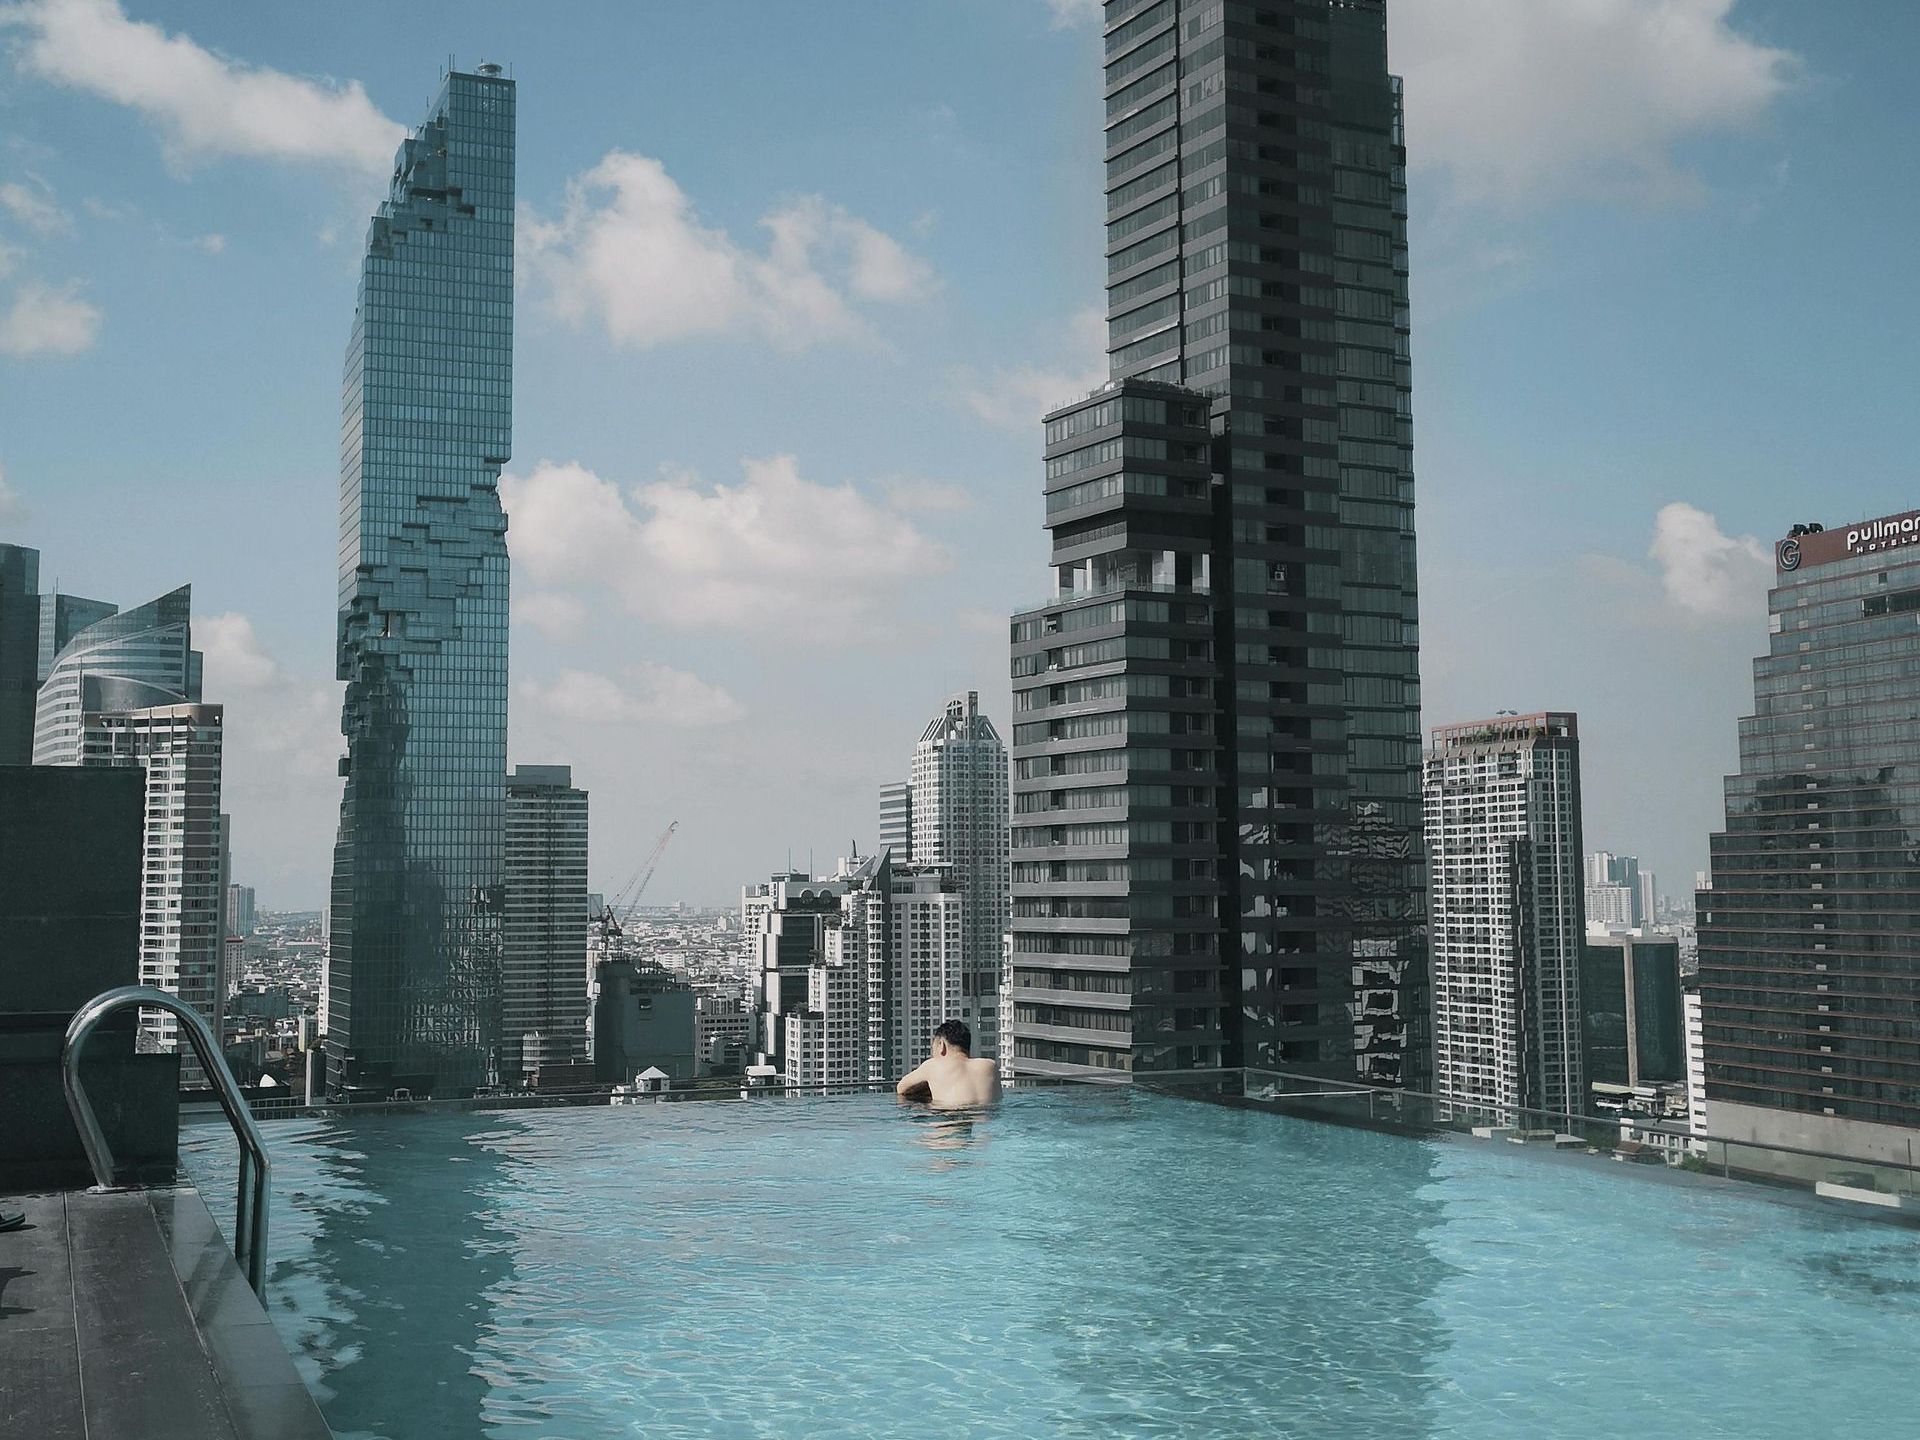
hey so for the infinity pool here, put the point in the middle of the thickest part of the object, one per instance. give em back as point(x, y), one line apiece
point(1097, 1264)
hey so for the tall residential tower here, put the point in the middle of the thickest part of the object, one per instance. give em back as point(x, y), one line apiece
point(1216, 841)
point(1507, 893)
point(426, 424)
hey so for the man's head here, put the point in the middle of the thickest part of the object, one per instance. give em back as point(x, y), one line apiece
point(951, 1037)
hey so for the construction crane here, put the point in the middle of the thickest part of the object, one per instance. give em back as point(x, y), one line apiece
point(612, 921)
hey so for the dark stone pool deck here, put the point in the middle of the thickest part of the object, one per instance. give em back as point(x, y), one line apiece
point(124, 1317)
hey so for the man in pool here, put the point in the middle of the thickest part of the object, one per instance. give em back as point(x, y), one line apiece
point(951, 1078)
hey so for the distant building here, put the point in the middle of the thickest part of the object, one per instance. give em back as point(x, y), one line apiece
point(1610, 907)
point(19, 650)
point(542, 988)
point(785, 922)
point(643, 1016)
point(240, 910)
point(1630, 1001)
point(959, 815)
point(1620, 895)
point(722, 1029)
point(896, 822)
point(128, 661)
point(1506, 896)
point(1809, 955)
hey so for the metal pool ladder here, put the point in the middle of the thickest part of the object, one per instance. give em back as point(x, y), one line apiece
point(250, 1203)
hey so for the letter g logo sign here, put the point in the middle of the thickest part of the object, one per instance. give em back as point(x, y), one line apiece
point(1789, 554)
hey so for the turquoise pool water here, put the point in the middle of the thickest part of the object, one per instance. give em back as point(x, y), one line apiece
point(1107, 1263)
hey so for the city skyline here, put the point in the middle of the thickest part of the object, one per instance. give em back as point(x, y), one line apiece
point(892, 285)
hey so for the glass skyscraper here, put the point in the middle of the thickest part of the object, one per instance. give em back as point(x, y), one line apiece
point(1810, 930)
point(426, 424)
point(1224, 692)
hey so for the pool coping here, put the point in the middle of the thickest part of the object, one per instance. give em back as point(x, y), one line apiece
point(122, 1313)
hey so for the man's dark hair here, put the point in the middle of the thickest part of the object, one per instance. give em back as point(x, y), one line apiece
point(956, 1034)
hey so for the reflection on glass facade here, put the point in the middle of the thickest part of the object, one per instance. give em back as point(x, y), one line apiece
point(418, 883)
point(61, 618)
point(1810, 932)
point(1631, 1007)
point(1256, 258)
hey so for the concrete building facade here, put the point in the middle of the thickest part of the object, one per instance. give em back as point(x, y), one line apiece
point(543, 991)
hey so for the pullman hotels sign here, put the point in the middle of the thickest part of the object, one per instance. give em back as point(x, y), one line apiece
point(1813, 546)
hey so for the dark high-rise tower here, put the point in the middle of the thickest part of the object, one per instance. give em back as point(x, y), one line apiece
point(1235, 724)
point(19, 651)
point(1810, 932)
point(426, 424)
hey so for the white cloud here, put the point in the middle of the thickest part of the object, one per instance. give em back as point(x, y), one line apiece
point(630, 252)
point(9, 258)
point(12, 508)
point(555, 614)
point(234, 657)
point(34, 207)
point(203, 104)
point(1705, 573)
point(212, 244)
point(1016, 399)
point(915, 492)
point(1519, 102)
point(652, 694)
point(48, 320)
point(775, 553)
point(279, 766)
point(1070, 14)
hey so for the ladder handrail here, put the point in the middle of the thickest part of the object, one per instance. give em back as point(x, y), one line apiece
point(249, 1221)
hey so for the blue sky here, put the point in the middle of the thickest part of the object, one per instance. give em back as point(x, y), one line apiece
point(766, 518)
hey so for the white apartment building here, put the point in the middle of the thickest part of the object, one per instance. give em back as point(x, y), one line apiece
point(1696, 1061)
point(958, 814)
point(183, 857)
point(1506, 905)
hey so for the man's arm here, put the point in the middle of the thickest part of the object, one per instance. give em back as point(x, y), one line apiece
point(913, 1081)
